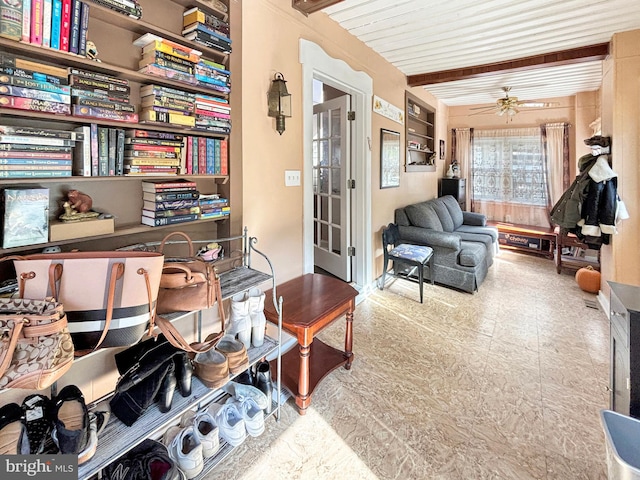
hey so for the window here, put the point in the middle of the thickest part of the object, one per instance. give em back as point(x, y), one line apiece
point(508, 167)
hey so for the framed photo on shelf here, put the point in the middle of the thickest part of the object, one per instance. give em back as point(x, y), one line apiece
point(389, 158)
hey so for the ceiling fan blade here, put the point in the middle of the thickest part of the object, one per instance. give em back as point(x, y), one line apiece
point(534, 104)
point(488, 107)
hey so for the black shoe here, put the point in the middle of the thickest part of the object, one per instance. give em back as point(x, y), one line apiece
point(13, 434)
point(38, 422)
point(263, 383)
point(184, 373)
point(247, 377)
point(167, 389)
point(70, 421)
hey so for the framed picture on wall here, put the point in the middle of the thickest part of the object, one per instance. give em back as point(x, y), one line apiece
point(441, 149)
point(389, 158)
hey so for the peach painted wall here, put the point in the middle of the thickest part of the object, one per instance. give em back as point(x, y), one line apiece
point(271, 31)
point(620, 111)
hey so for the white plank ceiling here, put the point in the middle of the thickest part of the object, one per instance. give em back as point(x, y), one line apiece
point(423, 36)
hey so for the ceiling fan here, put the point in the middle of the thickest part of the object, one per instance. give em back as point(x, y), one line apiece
point(509, 105)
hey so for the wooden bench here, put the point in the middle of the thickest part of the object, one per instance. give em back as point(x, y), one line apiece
point(526, 238)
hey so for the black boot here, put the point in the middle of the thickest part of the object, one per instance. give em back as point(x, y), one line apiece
point(184, 373)
point(262, 382)
point(167, 389)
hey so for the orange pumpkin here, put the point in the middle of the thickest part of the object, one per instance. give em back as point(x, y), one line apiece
point(588, 279)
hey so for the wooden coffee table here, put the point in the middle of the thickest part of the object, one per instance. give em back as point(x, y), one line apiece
point(311, 303)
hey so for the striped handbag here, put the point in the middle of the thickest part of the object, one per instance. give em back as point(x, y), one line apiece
point(109, 297)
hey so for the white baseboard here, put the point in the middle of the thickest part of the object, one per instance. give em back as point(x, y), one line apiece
point(603, 300)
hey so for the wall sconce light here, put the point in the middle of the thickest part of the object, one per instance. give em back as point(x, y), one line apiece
point(279, 101)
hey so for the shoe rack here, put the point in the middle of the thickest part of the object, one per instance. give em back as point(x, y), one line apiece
point(117, 438)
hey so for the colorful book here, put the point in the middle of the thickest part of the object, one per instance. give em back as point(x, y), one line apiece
point(39, 132)
point(104, 114)
point(169, 196)
point(19, 155)
point(31, 93)
point(195, 15)
point(11, 147)
point(56, 19)
point(157, 222)
point(116, 106)
point(150, 42)
point(169, 204)
point(136, 133)
point(11, 19)
point(112, 145)
point(35, 34)
point(25, 216)
point(103, 151)
point(95, 153)
point(26, 21)
point(147, 115)
point(65, 25)
point(74, 26)
point(10, 60)
point(47, 10)
point(82, 153)
point(36, 140)
point(199, 26)
point(173, 212)
point(18, 163)
point(162, 185)
point(35, 173)
point(119, 151)
point(84, 28)
point(224, 157)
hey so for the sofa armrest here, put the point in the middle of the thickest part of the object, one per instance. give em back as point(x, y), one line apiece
point(431, 238)
point(473, 218)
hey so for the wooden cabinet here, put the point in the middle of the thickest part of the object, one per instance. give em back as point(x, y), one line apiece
point(624, 393)
point(456, 187)
point(113, 34)
point(420, 136)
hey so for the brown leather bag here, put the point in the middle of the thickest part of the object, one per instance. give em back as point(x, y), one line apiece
point(36, 348)
point(187, 284)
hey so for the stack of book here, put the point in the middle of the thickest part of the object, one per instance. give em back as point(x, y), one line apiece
point(29, 84)
point(206, 29)
point(152, 153)
point(169, 202)
point(97, 95)
point(213, 206)
point(213, 114)
point(167, 59)
point(57, 24)
point(213, 76)
point(27, 152)
point(167, 105)
point(205, 156)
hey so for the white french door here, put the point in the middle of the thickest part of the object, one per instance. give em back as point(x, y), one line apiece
point(331, 195)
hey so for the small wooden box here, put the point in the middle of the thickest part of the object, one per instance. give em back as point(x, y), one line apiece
point(65, 231)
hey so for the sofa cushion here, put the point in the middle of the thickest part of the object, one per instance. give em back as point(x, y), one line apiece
point(443, 214)
point(454, 210)
point(401, 218)
point(423, 215)
point(490, 231)
point(472, 254)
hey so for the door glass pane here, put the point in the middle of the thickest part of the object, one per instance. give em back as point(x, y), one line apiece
point(335, 240)
point(316, 199)
point(324, 209)
point(324, 180)
point(324, 153)
point(315, 234)
point(315, 127)
point(335, 152)
point(335, 181)
point(324, 236)
point(316, 180)
point(335, 123)
point(315, 154)
point(324, 125)
point(335, 210)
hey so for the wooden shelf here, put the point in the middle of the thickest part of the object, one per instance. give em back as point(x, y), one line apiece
point(419, 135)
point(419, 150)
point(420, 168)
point(413, 117)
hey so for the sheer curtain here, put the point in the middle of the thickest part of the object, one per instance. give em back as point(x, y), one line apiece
point(462, 151)
point(555, 141)
point(508, 178)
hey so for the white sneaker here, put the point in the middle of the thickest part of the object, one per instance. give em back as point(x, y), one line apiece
point(185, 450)
point(230, 422)
point(240, 391)
point(205, 428)
point(252, 415)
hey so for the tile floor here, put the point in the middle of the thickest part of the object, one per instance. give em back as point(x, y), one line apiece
point(503, 384)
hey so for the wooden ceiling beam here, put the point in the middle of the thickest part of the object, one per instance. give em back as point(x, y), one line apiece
point(564, 57)
point(310, 6)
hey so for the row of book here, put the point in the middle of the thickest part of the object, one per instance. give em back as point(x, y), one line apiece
point(179, 201)
point(57, 24)
point(93, 150)
point(180, 63)
point(206, 29)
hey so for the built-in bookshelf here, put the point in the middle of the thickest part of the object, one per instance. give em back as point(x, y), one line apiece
point(420, 135)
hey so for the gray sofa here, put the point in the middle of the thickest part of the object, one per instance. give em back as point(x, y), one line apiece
point(463, 245)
